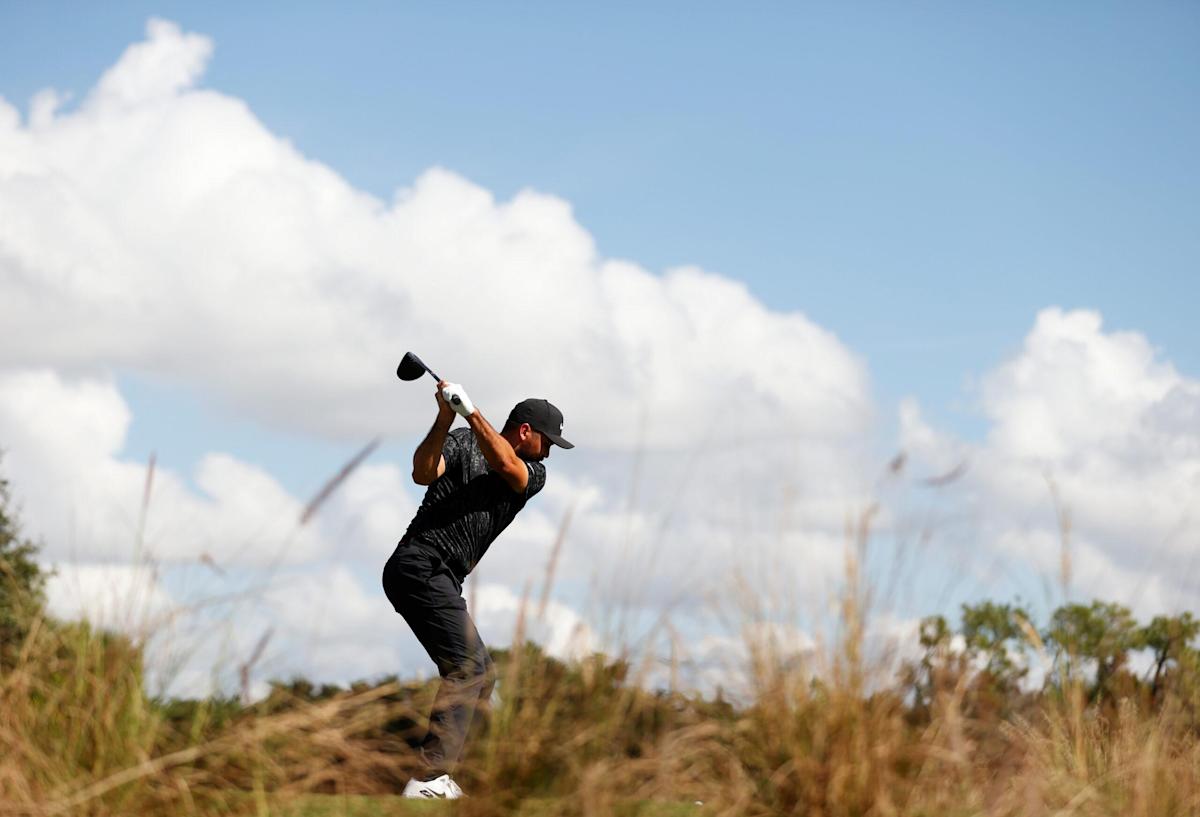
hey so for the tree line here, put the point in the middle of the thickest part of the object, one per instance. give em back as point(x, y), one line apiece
point(1088, 647)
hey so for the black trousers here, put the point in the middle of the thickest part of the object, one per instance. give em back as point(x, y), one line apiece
point(423, 590)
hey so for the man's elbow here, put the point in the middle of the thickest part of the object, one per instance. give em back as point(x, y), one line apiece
point(421, 478)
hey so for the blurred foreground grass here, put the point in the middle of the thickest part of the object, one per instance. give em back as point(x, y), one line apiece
point(957, 729)
point(954, 733)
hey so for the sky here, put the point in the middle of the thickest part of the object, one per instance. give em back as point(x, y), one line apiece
point(752, 253)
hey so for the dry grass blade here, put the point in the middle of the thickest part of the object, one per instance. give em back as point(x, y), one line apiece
point(552, 562)
point(337, 479)
point(245, 669)
point(144, 510)
point(948, 477)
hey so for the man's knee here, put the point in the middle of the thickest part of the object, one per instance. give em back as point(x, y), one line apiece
point(477, 674)
point(489, 679)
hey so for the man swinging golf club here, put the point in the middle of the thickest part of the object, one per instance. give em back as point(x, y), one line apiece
point(478, 481)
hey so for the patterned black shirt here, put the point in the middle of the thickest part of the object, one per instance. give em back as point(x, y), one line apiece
point(467, 507)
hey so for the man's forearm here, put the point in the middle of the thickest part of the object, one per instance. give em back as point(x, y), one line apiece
point(429, 452)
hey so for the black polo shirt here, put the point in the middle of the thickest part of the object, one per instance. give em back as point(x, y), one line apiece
point(467, 507)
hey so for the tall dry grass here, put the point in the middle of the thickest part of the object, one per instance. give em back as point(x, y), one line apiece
point(832, 733)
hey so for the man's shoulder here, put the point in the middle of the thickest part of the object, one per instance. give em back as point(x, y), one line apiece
point(466, 445)
point(461, 434)
point(462, 438)
point(459, 443)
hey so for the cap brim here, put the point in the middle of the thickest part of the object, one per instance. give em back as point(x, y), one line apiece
point(557, 440)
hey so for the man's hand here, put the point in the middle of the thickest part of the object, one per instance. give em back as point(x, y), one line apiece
point(456, 396)
point(445, 410)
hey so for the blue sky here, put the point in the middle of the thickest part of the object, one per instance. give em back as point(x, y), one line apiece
point(920, 179)
point(924, 181)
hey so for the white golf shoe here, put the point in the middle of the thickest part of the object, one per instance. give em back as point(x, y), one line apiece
point(440, 788)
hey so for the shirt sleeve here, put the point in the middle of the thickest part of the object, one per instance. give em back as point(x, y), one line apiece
point(537, 478)
point(452, 449)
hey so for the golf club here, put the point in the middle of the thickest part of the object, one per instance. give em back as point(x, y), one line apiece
point(412, 367)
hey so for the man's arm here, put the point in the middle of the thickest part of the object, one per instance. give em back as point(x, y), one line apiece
point(499, 453)
point(428, 462)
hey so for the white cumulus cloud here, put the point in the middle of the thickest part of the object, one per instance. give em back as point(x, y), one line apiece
point(1092, 443)
point(162, 227)
point(62, 441)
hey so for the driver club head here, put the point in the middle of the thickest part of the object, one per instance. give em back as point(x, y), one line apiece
point(411, 368)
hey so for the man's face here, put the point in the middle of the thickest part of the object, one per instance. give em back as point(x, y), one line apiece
point(534, 445)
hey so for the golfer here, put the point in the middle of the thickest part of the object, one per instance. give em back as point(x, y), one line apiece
point(478, 480)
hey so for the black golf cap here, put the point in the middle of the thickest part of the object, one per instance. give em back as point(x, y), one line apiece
point(543, 416)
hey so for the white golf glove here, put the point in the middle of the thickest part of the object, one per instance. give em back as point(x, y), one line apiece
point(456, 396)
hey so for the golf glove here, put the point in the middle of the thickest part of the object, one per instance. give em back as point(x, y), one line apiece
point(456, 396)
